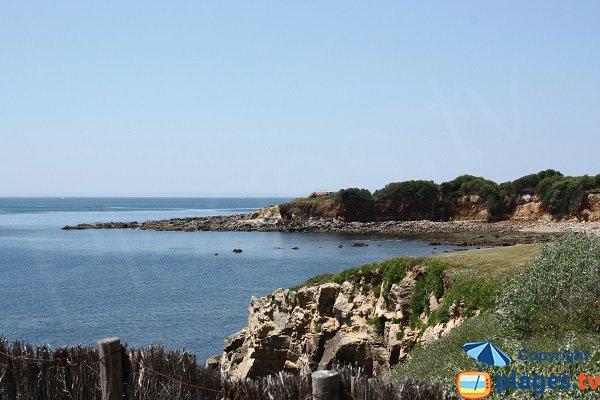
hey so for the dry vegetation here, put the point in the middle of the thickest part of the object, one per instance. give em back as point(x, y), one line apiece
point(495, 261)
point(41, 373)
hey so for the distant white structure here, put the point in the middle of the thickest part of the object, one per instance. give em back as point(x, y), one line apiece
point(321, 193)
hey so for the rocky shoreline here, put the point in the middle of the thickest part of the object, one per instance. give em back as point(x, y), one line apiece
point(453, 232)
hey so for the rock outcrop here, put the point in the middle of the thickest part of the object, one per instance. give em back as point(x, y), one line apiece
point(470, 208)
point(317, 326)
point(590, 208)
point(530, 208)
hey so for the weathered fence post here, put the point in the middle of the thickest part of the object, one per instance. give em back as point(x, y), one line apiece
point(325, 385)
point(111, 378)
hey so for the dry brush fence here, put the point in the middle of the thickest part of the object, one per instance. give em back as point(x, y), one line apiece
point(73, 373)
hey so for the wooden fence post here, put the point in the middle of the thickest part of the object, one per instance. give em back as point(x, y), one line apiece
point(325, 385)
point(111, 369)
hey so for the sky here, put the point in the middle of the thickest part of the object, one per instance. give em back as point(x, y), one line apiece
point(282, 98)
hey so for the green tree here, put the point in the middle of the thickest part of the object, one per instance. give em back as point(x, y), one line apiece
point(417, 199)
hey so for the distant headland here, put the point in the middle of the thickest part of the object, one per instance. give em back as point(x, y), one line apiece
point(466, 210)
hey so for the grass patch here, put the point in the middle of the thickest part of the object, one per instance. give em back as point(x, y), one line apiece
point(470, 290)
point(318, 327)
point(431, 282)
point(493, 262)
point(368, 276)
point(496, 261)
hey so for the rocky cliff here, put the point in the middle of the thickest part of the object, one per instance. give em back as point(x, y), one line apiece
point(364, 320)
point(464, 208)
point(590, 208)
point(530, 208)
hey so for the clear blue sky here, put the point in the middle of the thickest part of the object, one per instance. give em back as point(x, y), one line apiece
point(282, 98)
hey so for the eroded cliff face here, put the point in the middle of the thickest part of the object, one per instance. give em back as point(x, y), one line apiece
point(530, 208)
point(470, 208)
point(319, 325)
point(590, 207)
point(465, 208)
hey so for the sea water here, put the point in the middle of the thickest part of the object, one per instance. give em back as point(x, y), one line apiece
point(169, 288)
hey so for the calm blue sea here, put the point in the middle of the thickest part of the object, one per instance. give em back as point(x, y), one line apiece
point(70, 287)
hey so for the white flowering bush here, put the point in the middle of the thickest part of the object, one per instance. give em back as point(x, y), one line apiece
point(559, 291)
point(551, 305)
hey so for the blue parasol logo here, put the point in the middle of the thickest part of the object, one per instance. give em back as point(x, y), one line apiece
point(487, 353)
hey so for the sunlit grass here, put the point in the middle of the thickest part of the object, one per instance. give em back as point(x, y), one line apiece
point(494, 261)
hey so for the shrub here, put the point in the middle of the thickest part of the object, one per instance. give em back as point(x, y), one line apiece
point(394, 270)
point(354, 204)
point(558, 291)
point(470, 289)
point(430, 281)
point(352, 194)
point(371, 275)
point(562, 196)
point(466, 185)
point(410, 199)
point(524, 185)
point(409, 191)
point(378, 323)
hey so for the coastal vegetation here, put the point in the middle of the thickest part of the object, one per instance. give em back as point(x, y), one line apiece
point(465, 197)
point(548, 305)
point(540, 297)
point(366, 276)
point(493, 261)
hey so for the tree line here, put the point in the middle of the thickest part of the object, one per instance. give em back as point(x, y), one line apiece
point(423, 199)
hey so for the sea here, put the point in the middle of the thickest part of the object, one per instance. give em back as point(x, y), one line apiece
point(184, 290)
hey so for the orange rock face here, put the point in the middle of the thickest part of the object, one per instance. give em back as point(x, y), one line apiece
point(590, 208)
point(470, 208)
point(532, 210)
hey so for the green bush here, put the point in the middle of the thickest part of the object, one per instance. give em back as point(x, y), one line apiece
point(466, 185)
point(528, 184)
point(378, 323)
point(470, 289)
point(393, 271)
point(410, 199)
point(371, 275)
point(558, 291)
point(409, 192)
point(562, 196)
point(352, 194)
point(431, 281)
